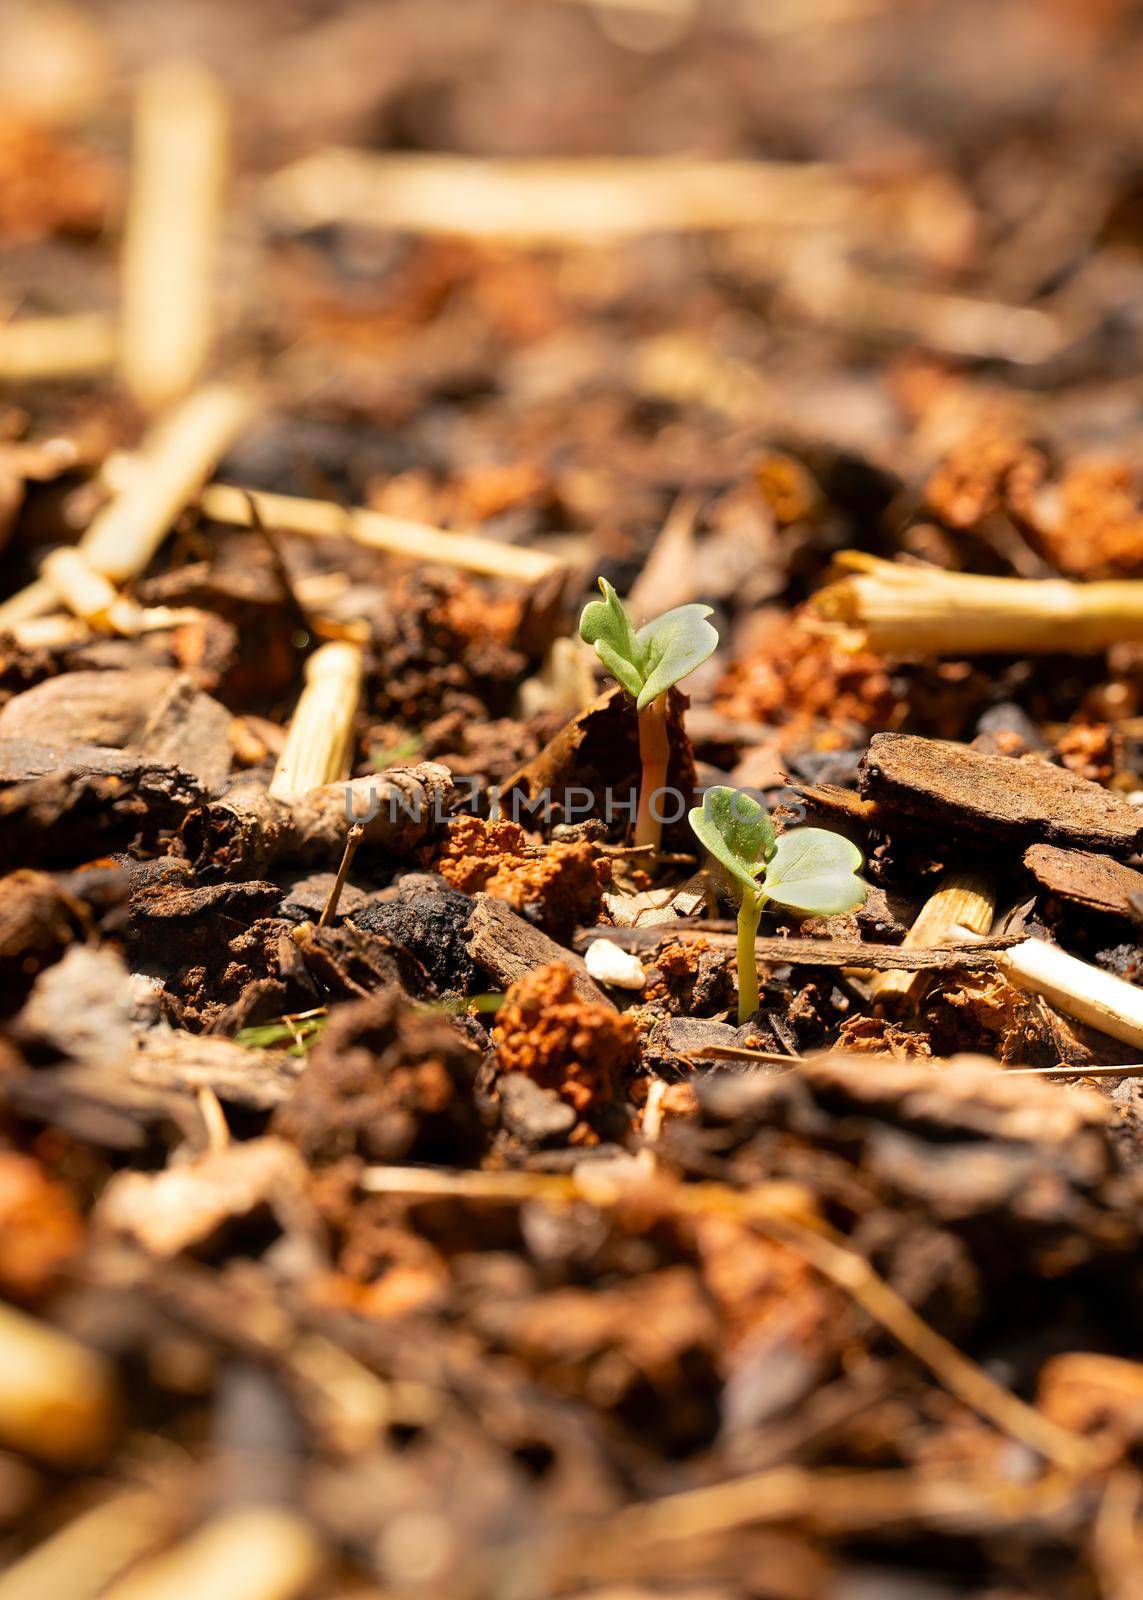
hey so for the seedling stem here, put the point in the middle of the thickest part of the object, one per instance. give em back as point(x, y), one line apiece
point(655, 754)
point(749, 913)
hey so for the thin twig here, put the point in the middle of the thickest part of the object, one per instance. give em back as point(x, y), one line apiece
point(352, 840)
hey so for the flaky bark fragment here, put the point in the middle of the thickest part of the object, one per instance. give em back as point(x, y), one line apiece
point(1086, 878)
point(949, 784)
point(248, 832)
point(96, 802)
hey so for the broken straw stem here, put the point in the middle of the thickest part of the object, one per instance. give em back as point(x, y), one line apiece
point(171, 467)
point(36, 349)
point(258, 1553)
point(319, 744)
point(900, 609)
point(178, 173)
point(56, 1397)
point(964, 899)
point(353, 839)
point(416, 541)
point(561, 201)
point(1073, 986)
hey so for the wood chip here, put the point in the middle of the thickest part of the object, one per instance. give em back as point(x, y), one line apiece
point(507, 947)
point(1009, 800)
point(1086, 878)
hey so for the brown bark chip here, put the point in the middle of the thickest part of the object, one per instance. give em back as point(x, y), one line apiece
point(944, 783)
point(1086, 878)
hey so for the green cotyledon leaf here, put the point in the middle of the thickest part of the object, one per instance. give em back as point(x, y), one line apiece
point(606, 625)
point(737, 831)
point(674, 645)
point(815, 871)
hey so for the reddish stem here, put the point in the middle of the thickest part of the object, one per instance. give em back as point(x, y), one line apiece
point(655, 753)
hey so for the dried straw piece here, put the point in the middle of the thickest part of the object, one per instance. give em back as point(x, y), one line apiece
point(416, 541)
point(563, 202)
point(51, 632)
point(87, 1553)
point(319, 745)
point(169, 469)
point(39, 348)
point(1076, 987)
point(964, 899)
point(916, 610)
point(177, 178)
point(259, 1553)
point(88, 594)
point(56, 1397)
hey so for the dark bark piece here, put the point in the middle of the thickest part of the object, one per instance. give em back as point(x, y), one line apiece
point(305, 900)
point(188, 729)
point(387, 1082)
point(172, 924)
point(1005, 799)
point(88, 708)
point(688, 1042)
point(598, 750)
point(39, 919)
point(885, 916)
point(423, 915)
point(248, 833)
point(80, 811)
point(534, 1115)
point(506, 947)
point(1096, 882)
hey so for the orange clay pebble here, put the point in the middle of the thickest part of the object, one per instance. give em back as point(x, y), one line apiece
point(566, 879)
point(578, 1048)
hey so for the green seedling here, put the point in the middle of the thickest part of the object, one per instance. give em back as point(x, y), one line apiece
point(807, 869)
point(647, 663)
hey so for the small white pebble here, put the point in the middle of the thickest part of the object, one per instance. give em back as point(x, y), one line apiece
point(607, 963)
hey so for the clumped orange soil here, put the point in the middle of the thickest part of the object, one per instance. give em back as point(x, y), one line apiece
point(564, 881)
point(579, 1049)
point(48, 185)
point(798, 678)
point(1098, 532)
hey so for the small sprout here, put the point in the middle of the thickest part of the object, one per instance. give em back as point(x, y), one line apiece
point(807, 869)
point(647, 663)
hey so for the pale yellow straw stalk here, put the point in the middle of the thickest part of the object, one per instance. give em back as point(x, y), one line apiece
point(903, 610)
point(320, 741)
point(36, 349)
point(178, 172)
point(81, 1558)
point(256, 1553)
point(88, 594)
point(57, 1400)
point(417, 541)
point(175, 459)
point(1075, 987)
point(569, 202)
point(965, 900)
